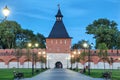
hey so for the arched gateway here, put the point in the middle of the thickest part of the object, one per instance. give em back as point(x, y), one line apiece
point(58, 65)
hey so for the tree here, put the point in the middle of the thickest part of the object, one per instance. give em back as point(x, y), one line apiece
point(43, 60)
point(111, 61)
point(83, 55)
point(13, 36)
point(102, 54)
point(75, 46)
point(117, 40)
point(41, 40)
point(104, 31)
point(72, 60)
point(79, 44)
point(27, 36)
point(21, 40)
point(8, 31)
point(18, 55)
point(29, 55)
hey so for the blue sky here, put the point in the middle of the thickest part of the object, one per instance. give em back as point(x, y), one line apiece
point(39, 15)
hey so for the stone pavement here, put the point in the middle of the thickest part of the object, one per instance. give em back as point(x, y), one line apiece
point(61, 74)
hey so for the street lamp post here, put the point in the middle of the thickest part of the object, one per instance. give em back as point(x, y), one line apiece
point(88, 46)
point(42, 57)
point(119, 62)
point(33, 55)
point(39, 53)
point(77, 56)
point(72, 60)
point(5, 12)
point(45, 61)
point(18, 55)
point(74, 53)
point(89, 62)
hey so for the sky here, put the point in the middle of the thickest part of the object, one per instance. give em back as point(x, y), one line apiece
point(39, 15)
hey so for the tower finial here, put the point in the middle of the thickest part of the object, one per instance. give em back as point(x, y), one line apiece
point(58, 6)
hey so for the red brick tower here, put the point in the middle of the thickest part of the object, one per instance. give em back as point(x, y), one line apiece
point(58, 43)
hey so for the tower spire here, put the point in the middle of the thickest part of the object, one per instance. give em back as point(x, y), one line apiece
point(58, 6)
point(59, 30)
point(59, 15)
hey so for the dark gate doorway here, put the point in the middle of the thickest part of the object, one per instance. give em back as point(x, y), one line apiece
point(58, 65)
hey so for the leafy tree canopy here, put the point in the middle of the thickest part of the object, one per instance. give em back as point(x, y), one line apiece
point(104, 31)
point(79, 44)
point(13, 36)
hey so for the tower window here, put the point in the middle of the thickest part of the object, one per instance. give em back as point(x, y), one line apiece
point(51, 41)
point(60, 41)
point(59, 18)
point(65, 41)
point(56, 41)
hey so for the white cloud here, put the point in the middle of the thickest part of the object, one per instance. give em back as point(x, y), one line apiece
point(36, 16)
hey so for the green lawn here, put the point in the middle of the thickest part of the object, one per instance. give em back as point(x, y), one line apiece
point(7, 74)
point(97, 73)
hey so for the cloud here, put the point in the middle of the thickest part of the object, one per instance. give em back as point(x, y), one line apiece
point(36, 16)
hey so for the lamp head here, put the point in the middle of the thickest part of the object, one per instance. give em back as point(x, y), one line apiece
point(74, 52)
point(36, 44)
point(39, 53)
point(6, 11)
point(44, 52)
point(118, 58)
point(29, 45)
point(79, 52)
point(85, 45)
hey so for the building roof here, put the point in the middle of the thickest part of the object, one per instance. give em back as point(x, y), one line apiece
point(59, 30)
point(59, 14)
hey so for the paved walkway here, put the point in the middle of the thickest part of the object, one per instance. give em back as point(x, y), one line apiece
point(61, 74)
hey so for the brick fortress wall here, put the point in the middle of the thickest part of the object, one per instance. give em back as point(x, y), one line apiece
point(9, 55)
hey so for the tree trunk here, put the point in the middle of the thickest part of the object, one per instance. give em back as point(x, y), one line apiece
point(71, 66)
point(8, 45)
point(41, 65)
point(104, 66)
point(18, 63)
point(112, 66)
point(28, 64)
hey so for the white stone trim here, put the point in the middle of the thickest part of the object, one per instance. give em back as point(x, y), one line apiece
point(52, 58)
